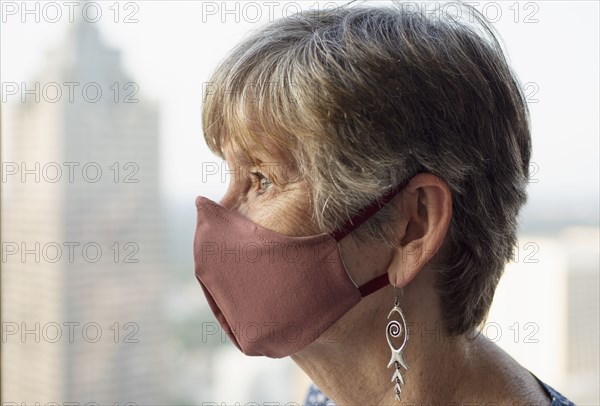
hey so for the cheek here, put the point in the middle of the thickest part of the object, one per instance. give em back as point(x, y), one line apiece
point(287, 213)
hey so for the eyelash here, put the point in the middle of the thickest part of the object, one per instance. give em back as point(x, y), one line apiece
point(258, 178)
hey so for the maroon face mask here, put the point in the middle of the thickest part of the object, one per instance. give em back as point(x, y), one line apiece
point(271, 293)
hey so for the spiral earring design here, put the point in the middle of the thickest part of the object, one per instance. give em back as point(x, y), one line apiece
point(394, 330)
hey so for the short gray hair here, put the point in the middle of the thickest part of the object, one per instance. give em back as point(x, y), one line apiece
point(363, 98)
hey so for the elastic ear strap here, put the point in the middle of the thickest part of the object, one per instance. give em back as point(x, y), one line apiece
point(366, 213)
point(374, 285)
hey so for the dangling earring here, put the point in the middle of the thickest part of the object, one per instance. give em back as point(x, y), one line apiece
point(395, 329)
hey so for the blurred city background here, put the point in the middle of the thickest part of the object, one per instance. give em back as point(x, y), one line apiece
point(103, 155)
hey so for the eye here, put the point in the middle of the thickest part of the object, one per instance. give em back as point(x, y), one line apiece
point(263, 182)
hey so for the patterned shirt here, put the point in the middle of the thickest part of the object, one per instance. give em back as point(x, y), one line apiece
point(316, 398)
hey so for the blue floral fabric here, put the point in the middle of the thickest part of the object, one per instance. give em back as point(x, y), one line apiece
point(316, 398)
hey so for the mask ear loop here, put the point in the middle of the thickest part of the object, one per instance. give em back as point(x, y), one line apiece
point(367, 212)
point(363, 215)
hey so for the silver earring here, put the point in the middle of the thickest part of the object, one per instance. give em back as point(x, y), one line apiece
point(394, 330)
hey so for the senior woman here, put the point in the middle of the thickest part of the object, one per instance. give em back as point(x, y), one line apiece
point(379, 158)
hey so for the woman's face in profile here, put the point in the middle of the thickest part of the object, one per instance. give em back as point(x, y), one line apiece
point(267, 189)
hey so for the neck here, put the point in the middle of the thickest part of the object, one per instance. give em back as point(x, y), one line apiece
point(349, 362)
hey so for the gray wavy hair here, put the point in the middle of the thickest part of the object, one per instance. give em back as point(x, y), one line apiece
point(363, 97)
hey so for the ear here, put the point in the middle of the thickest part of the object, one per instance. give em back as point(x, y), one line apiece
point(426, 204)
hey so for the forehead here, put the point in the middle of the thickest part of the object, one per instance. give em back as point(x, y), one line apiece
point(256, 150)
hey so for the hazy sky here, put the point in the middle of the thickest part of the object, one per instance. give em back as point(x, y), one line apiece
point(173, 47)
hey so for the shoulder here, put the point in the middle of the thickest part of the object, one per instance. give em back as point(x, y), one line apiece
point(506, 379)
point(558, 399)
point(315, 397)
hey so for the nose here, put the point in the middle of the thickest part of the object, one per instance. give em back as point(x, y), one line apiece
point(227, 202)
point(231, 198)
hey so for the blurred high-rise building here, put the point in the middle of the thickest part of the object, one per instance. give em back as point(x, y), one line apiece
point(82, 234)
point(545, 311)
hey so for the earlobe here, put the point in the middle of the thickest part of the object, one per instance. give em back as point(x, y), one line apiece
point(405, 265)
point(426, 213)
